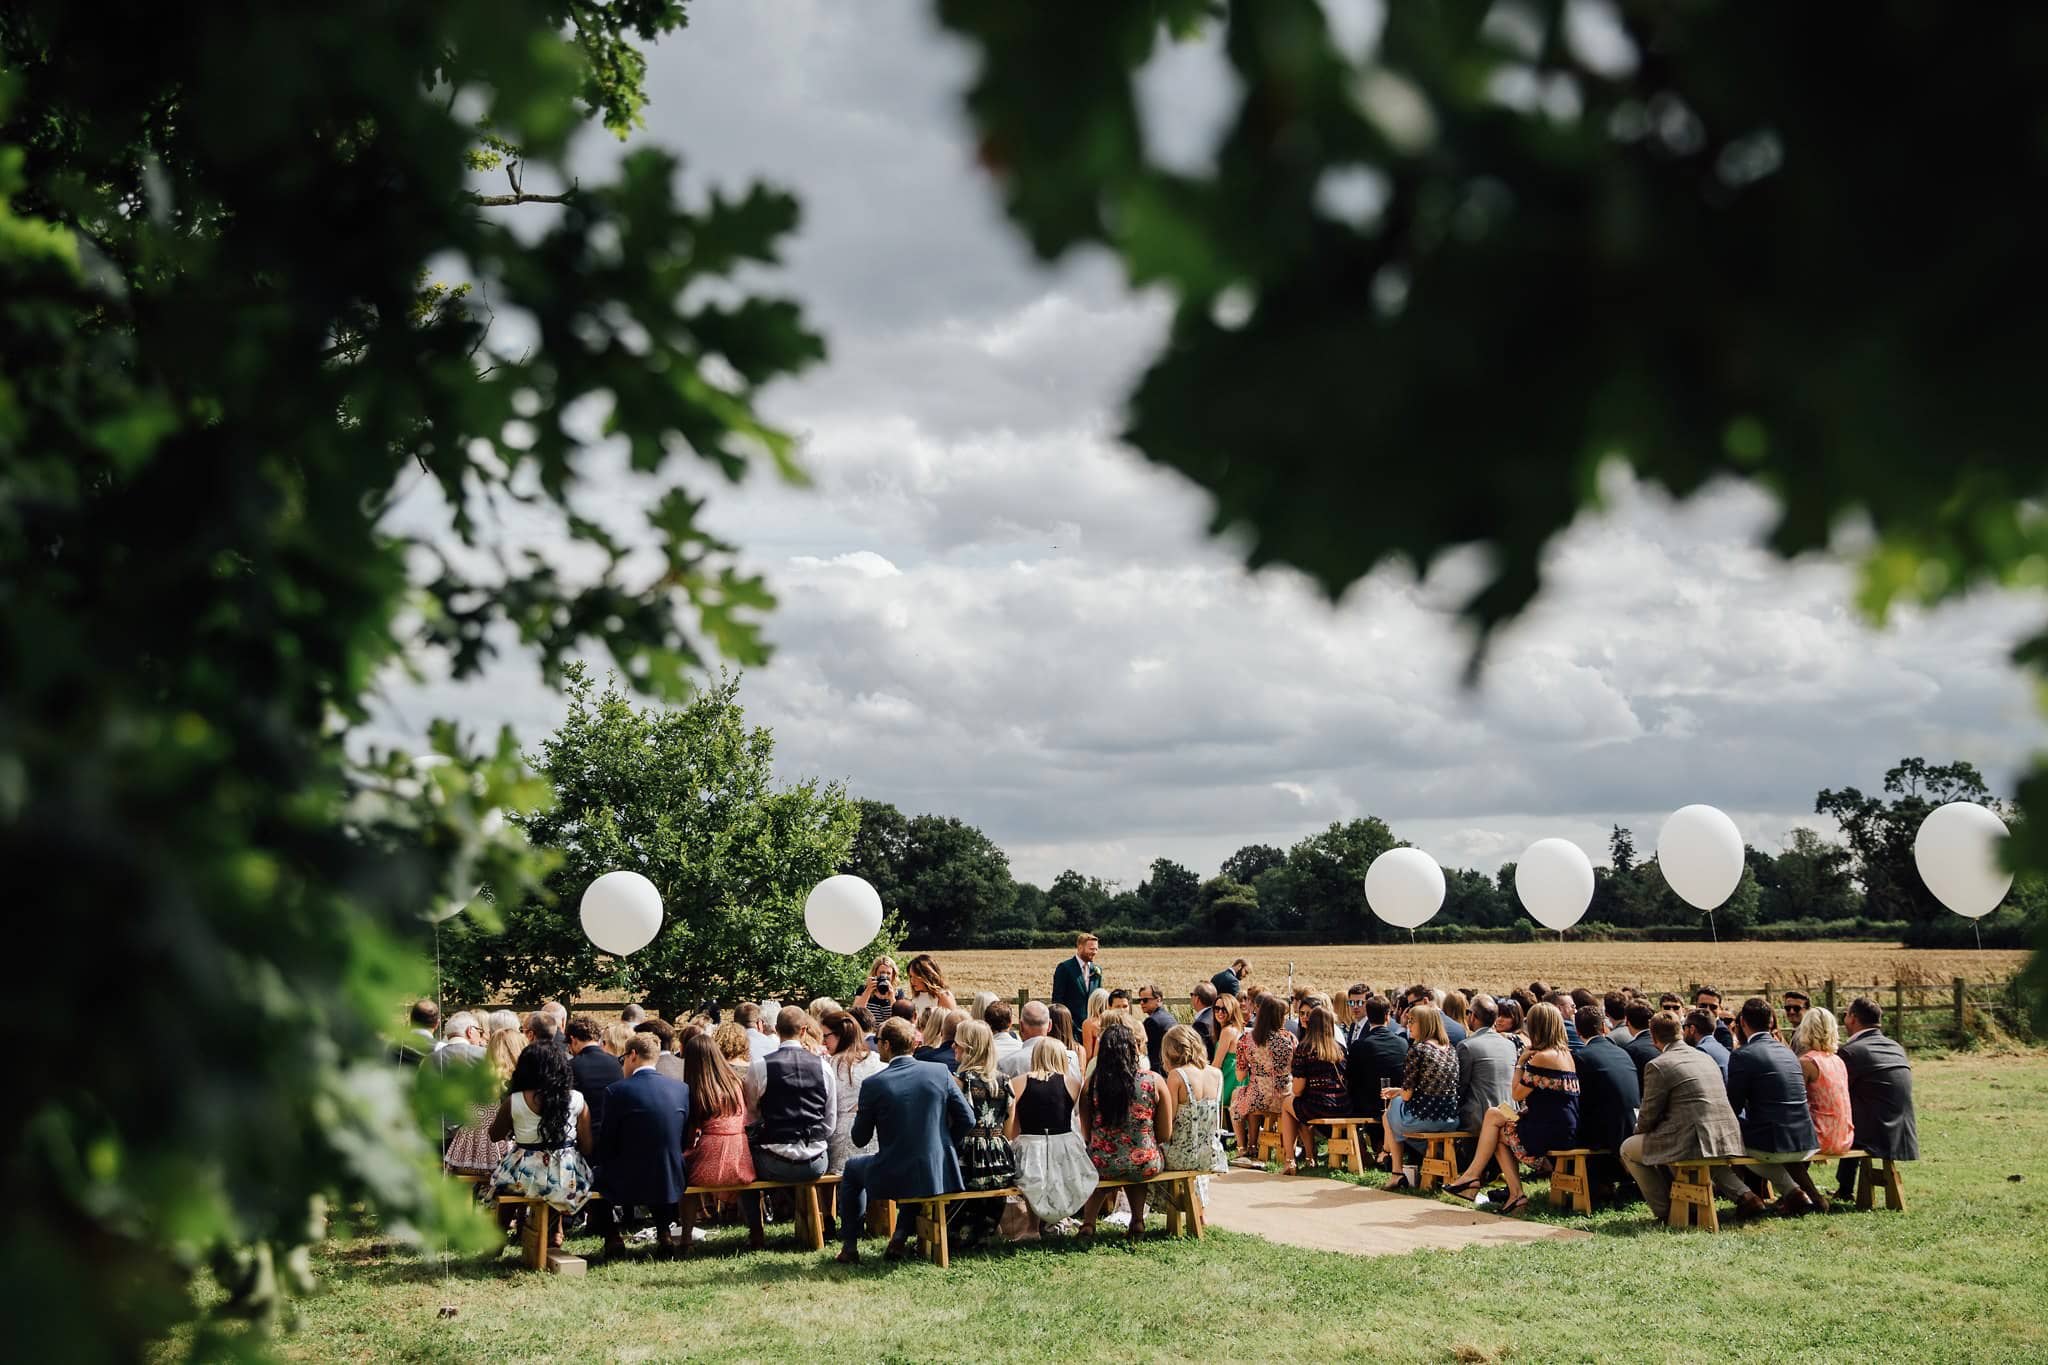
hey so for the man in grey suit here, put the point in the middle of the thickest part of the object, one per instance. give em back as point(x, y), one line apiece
point(1486, 1065)
point(1685, 1115)
point(1880, 1094)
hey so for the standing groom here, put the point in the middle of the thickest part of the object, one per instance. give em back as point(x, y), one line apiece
point(1075, 979)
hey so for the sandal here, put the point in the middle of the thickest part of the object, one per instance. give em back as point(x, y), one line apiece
point(1288, 1169)
point(1515, 1205)
point(1462, 1189)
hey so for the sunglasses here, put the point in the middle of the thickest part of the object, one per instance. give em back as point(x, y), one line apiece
point(1355, 1003)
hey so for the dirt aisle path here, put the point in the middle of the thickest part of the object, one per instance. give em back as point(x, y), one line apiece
point(1329, 1215)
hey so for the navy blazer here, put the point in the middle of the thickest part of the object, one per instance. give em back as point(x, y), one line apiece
point(1454, 1030)
point(1610, 1092)
point(1642, 1050)
point(639, 1150)
point(1571, 1034)
point(1373, 1061)
point(1768, 1093)
point(922, 1118)
point(595, 1071)
point(1712, 1047)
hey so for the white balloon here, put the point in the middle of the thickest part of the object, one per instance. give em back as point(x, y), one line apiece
point(1404, 887)
point(1957, 852)
point(1699, 851)
point(843, 914)
point(1554, 880)
point(453, 906)
point(621, 913)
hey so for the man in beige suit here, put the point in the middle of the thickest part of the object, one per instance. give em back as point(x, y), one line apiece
point(1685, 1114)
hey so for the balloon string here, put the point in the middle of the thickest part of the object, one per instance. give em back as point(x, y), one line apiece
point(1978, 930)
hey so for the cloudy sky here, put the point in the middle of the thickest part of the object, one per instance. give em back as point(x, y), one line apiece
point(991, 610)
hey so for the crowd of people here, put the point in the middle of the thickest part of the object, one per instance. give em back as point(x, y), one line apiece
point(906, 1094)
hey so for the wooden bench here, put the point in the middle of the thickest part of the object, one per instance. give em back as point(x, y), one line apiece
point(1692, 1186)
point(1183, 1209)
point(1342, 1139)
point(1439, 1157)
point(1569, 1179)
point(1265, 1134)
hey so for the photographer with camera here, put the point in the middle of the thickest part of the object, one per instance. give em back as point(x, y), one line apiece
point(879, 995)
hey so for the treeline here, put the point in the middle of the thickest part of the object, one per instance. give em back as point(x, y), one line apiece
point(952, 885)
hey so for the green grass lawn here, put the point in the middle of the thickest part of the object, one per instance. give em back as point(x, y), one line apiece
point(1959, 1276)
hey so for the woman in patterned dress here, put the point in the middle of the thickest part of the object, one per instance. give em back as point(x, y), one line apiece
point(1268, 1065)
point(1126, 1111)
point(549, 1125)
point(986, 1161)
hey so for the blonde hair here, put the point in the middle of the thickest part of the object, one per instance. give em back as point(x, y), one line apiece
point(615, 1036)
point(731, 1040)
point(1182, 1046)
point(823, 1006)
point(875, 967)
point(982, 1000)
point(1817, 1032)
point(974, 1044)
point(929, 1021)
point(1098, 1001)
point(1048, 1058)
point(502, 1052)
point(1545, 1027)
point(1426, 1025)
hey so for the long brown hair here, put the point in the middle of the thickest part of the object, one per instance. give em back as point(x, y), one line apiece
point(1319, 1035)
point(923, 972)
point(1272, 1017)
point(714, 1091)
point(843, 1029)
point(1062, 1025)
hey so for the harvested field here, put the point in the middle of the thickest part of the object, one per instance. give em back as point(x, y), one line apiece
point(1491, 966)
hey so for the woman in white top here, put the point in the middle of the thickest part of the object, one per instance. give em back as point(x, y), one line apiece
point(852, 1063)
point(928, 985)
point(549, 1125)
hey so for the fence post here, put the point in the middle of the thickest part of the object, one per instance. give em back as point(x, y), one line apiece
point(1899, 1001)
point(1023, 999)
point(1960, 990)
point(1827, 995)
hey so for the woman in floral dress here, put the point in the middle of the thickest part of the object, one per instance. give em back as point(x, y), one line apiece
point(1266, 1064)
point(1126, 1112)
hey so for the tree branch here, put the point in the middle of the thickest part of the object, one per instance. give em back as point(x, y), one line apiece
point(498, 201)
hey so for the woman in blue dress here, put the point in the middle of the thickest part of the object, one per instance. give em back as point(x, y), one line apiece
point(1546, 1087)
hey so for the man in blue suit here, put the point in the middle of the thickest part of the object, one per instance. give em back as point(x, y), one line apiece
point(639, 1148)
point(1768, 1093)
point(922, 1118)
point(1699, 1033)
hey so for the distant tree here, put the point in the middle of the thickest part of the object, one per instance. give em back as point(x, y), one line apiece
point(1471, 898)
point(1247, 863)
point(1225, 908)
point(1880, 832)
point(952, 881)
point(1027, 909)
point(1809, 878)
point(1279, 907)
point(1075, 902)
point(1621, 851)
point(880, 849)
point(1328, 871)
point(1127, 910)
point(685, 796)
point(1170, 893)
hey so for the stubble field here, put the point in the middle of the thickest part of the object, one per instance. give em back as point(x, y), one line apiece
point(1493, 966)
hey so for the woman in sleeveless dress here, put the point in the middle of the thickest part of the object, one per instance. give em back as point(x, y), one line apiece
point(986, 1162)
point(1054, 1173)
point(718, 1153)
point(1197, 1092)
point(549, 1125)
point(1125, 1111)
point(1546, 1086)
point(1229, 1025)
point(1816, 1040)
point(472, 1151)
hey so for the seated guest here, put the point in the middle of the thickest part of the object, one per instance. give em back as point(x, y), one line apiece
point(1054, 1173)
point(504, 1019)
point(640, 1143)
point(615, 1038)
point(632, 1014)
point(1126, 1113)
point(978, 1010)
point(735, 1045)
point(471, 1149)
point(539, 1027)
point(1827, 1088)
point(1615, 1006)
point(998, 1016)
point(1684, 1116)
point(1317, 1089)
point(1641, 1047)
point(1562, 1001)
point(1091, 1023)
point(1670, 1001)
point(1508, 1022)
point(1880, 1094)
point(1157, 1020)
point(906, 1011)
point(1062, 1028)
point(852, 1063)
point(1427, 1100)
point(558, 1015)
point(595, 1070)
point(1768, 1094)
point(1265, 1059)
point(1035, 1023)
point(718, 1155)
point(1202, 1000)
point(790, 1108)
point(667, 1062)
point(760, 1030)
point(550, 1131)
point(1486, 1065)
point(1709, 999)
point(420, 1040)
point(1376, 1060)
point(1353, 1019)
point(1795, 1004)
point(940, 1047)
point(1454, 1006)
point(1546, 1085)
point(1610, 1091)
point(462, 1042)
point(917, 1116)
point(986, 1162)
point(1698, 1031)
point(1196, 1089)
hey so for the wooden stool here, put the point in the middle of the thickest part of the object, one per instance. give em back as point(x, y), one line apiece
point(1439, 1157)
point(1341, 1139)
point(1569, 1182)
point(1266, 1137)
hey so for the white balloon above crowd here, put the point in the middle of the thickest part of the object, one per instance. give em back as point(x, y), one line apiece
point(1404, 887)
